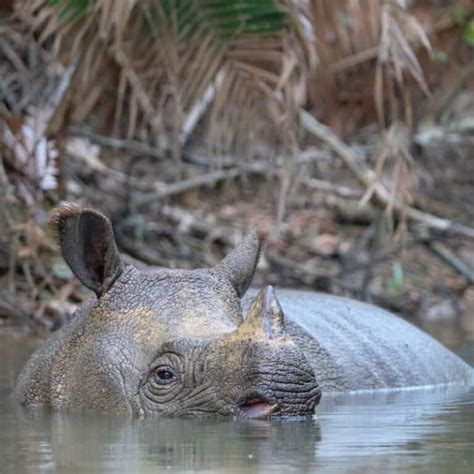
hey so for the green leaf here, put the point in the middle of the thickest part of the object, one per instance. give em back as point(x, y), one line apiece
point(396, 282)
point(460, 14)
point(70, 11)
point(469, 33)
point(227, 17)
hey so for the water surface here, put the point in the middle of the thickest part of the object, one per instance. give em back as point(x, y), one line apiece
point(411, 431)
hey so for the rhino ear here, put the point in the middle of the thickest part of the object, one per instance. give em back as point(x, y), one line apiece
point(239, 266)
point(265, 314)
point(87, 243)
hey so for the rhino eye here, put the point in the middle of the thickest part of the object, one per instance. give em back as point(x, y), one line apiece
point(164, 375)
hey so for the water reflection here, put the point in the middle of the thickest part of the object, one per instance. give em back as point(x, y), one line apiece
point(45, 441)
point(412, 431)
point(399, 430)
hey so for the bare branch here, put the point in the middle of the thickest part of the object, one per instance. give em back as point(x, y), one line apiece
point(381, 194)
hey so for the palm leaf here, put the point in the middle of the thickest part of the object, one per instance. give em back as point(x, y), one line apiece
point(221, 62)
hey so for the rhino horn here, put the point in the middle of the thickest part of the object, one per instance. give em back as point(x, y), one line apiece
point(265, 315)
point(238, 267)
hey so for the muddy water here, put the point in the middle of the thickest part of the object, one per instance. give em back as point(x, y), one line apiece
point(412, 431)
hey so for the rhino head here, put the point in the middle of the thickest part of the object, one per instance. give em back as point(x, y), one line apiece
point(169, 342)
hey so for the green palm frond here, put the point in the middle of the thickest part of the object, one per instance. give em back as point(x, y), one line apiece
point(72, 10)
point(227, 17)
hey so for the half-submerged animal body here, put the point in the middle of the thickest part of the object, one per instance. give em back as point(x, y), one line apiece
point(354, 346)
point(175, 342)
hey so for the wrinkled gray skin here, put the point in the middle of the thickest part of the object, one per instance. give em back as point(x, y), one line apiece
point(175, 343)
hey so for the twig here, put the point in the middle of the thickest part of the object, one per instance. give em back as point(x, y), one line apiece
point(438, 223)
point(455, 262)
point(199, 108)
point(342, 191)
point(58, 101)
point(325, 134)
point(182, 186)
point(381, 194)
point(96, 164)
point(132, 146)
point(354, 60)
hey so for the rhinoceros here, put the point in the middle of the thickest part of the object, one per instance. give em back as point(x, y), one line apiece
point(176, 343)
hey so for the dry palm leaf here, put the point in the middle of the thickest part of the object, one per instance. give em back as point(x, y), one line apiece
point(351, 36)
point(396, 57)
point(225, 63)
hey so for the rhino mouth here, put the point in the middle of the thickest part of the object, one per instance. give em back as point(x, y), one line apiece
point(256, 405)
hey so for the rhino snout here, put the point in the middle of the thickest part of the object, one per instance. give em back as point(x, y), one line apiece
point(280, 394)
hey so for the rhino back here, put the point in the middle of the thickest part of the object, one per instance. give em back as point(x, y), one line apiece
point(356, 346)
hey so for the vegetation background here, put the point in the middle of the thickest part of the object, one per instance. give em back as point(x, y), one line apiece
point(342, 129)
